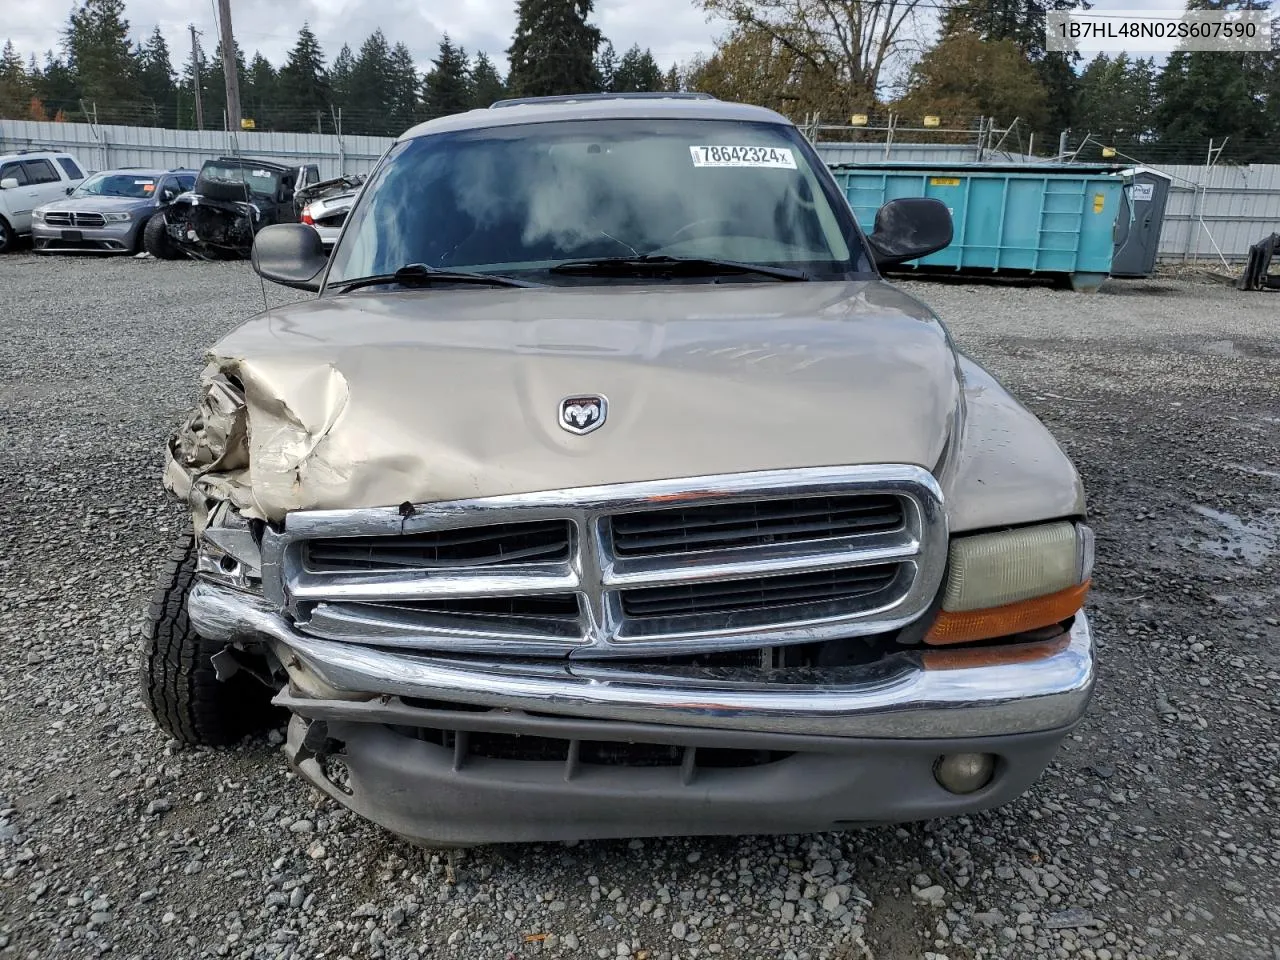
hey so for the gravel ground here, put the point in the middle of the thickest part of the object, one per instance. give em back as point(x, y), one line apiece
point(1153, 835)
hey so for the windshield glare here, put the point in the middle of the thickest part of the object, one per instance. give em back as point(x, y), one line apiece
point(527, 197)
point(259, 179)
point(117, 185)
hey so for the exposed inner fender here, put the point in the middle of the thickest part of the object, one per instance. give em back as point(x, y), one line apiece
point(256, 439)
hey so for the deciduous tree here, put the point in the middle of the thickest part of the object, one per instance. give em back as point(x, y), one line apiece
point(846, 45)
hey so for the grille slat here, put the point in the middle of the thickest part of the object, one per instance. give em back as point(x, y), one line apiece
point(490, 546)
point(728, 596)
point(57, 219)
point(753, 565)
point(752, 524)
point(90, 220)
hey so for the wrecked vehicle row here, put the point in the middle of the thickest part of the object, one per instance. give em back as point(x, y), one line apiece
point(605, 489)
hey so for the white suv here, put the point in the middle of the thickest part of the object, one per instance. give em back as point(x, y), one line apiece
point(26, 181)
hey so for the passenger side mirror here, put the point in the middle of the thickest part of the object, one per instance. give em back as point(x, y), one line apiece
point(9, 183)
point(70, 190)
point(290, 254)
point(168, 195)
point(908, 228)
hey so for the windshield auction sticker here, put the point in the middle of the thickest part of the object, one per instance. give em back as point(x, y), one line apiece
point(777, 158)
point(1158, 31)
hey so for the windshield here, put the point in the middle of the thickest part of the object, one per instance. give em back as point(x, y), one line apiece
point(117, 185)
point(527, 197)
point(260, 179)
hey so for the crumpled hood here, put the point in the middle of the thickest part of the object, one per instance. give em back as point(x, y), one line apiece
point(374, 399)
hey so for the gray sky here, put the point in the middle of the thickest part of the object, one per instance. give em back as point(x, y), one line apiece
point(674, 29)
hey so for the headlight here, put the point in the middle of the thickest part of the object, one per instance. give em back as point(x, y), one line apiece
point(37, 214)
point(999, 584)
point(117, 217)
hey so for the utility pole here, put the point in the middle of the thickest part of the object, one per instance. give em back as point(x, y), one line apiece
point(229, 67)
point(195, 75)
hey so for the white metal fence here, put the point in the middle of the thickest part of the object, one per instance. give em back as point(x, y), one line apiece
point(104, 147)
point(1214, 212)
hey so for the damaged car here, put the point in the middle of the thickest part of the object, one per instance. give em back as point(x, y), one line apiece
point(605, 489)
point(326, 204)
point(233, 198)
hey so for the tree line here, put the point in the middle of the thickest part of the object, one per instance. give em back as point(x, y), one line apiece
point(989, 59)
point(832, 59)
point(99, 73)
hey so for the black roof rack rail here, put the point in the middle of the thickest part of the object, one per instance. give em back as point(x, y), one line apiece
point(578, 97)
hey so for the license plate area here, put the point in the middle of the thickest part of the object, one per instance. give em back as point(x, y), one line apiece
point(72, 235)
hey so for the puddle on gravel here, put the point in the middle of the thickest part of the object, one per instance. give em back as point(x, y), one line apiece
point(1255, 471)
point(1238, 348)
point(1252, 541)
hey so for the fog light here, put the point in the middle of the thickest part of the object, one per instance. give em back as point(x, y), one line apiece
point(964, 772)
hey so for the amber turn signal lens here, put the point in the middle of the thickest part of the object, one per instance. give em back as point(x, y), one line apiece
point(967, 625)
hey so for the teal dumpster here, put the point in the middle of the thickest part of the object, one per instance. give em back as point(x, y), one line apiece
point(1056, 219)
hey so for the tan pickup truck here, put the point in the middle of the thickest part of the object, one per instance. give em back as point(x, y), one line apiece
point(605, 489)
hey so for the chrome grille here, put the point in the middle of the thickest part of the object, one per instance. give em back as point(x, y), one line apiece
point(496, 545)
point(700, 564)
point(851, 586)
point(65, 218)
point(754, 523)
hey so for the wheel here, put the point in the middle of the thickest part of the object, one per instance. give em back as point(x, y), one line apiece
point(8, 239)
point(179, 684)
point(155, 239)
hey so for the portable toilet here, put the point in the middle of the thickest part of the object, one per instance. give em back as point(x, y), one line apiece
point(1138, 225)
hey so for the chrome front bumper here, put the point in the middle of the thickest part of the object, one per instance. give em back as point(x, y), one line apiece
point(915, 694)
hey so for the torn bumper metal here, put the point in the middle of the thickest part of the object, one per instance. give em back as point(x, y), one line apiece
point(438, 748)
point(907, 695)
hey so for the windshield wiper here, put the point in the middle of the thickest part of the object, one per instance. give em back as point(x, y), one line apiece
point(687, 266)
point(413, 274)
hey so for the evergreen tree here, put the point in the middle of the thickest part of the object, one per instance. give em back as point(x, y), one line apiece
point(96, 41)
point(637, 73)
point(56, 86)
point(259, 94)
point(607, 66)
point(340, 78)
point(216, 104)
point(371, 87)
point(404, 109)
point(156, 78)
point(302, 87)
point(672, 82)
point(1204, 96)
point(553, 48)
point(15, 89)
point(446, 88)
point(486, 83)
point(1116, 97)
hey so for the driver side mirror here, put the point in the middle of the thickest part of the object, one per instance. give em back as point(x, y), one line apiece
point(908, 228)
point(290, 254)
point(9, 183)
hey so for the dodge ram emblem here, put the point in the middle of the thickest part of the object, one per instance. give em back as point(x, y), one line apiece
point(583, 414)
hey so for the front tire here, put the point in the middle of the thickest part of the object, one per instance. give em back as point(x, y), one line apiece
point(155, 239)
point(179, 684)
point(8, 239)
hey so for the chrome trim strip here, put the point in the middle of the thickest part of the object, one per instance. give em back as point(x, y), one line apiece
point(909, 695)
point(597, 575)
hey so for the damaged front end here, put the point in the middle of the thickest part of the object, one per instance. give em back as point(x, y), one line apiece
point(212, 229)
